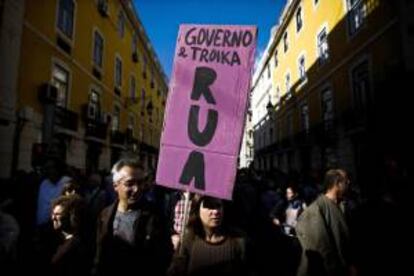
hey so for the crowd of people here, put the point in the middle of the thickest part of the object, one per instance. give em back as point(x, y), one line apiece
point(62, 222)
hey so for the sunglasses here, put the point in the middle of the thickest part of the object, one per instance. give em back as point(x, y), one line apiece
point(212, 203)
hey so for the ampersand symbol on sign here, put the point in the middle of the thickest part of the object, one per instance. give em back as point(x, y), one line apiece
point(182, 52)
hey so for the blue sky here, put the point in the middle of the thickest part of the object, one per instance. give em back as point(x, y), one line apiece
point(161, 19)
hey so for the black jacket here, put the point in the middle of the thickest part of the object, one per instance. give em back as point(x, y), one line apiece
point(150, 255)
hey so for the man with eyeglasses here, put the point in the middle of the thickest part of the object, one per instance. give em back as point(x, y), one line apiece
point(130, 232)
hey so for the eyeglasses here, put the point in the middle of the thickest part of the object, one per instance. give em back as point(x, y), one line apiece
point(132, 183)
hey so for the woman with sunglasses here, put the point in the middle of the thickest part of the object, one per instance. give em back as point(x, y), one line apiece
point(210, 246)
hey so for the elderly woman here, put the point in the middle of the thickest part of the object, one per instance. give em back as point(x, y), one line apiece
point(210, 247)
point(70, 256)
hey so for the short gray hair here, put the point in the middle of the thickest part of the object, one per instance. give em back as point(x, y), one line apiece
point(126, 162)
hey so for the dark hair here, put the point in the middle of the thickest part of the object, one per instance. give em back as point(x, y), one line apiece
point(73, 211)
point(195, 224)
point(70, 186)
point(333, 177)
point(293, 187)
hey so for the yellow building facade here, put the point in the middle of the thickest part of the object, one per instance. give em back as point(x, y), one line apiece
point(328, 63)
point(90, 88)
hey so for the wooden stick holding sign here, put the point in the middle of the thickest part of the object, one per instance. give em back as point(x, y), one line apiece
point(187, 208)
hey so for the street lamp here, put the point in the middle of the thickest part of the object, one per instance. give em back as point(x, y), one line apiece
point(269, 108)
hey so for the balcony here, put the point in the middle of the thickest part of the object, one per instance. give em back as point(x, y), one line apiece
point(66, 119)
point(129, 136)
point(96, 129)
point(117, 137)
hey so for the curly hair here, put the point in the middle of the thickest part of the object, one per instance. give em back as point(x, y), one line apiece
point(73, 209)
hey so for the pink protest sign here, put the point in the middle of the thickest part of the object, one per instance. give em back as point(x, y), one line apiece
point(206, 108)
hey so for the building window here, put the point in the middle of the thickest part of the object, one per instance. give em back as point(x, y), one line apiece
point(141, 132)
point(299, 20)
point(116, 118)
point(268, 70)
point(285, 42)
point(132, 88)
point(289, 125)
point(134, 43)
point(93, 105)
point(287, 81)
point(156, 115)
point(277, 96)
point(270, 135)
point(356, 15)
point(118, 72)
point(276, 59)
point(66, 13)
point(152, 78)
point(360, 86)
point(144, 66)
point(98, 49)
point(60, 79)
point(142, 101)
point(276, 130)
point(327, 105)
point(304, 116)
point(315, 2)
point(302, 69)
point(323, 49)
point(131, 123)
point(121, 24)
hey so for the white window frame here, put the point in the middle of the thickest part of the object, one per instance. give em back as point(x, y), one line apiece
point(277, 96)
point(144, 64)
point(116, 127)
point(289, 124)
point(118, 58)
point(285, 39)
point(134, 44)
point(58, 63)
point(152, 77)
point(94, 108)
point(121, 23)
point(63, 35)
point(132, 86)
point(288, 84)
point(304, 77)
point(300, 8)
point(323, 98)
point(143, 100)
point(131, 122)
point(304, 118)
point(323, 61)
point(358, 8)
point(359, 62)
point(269, 75)
point(276, 58)
point(95, 31)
